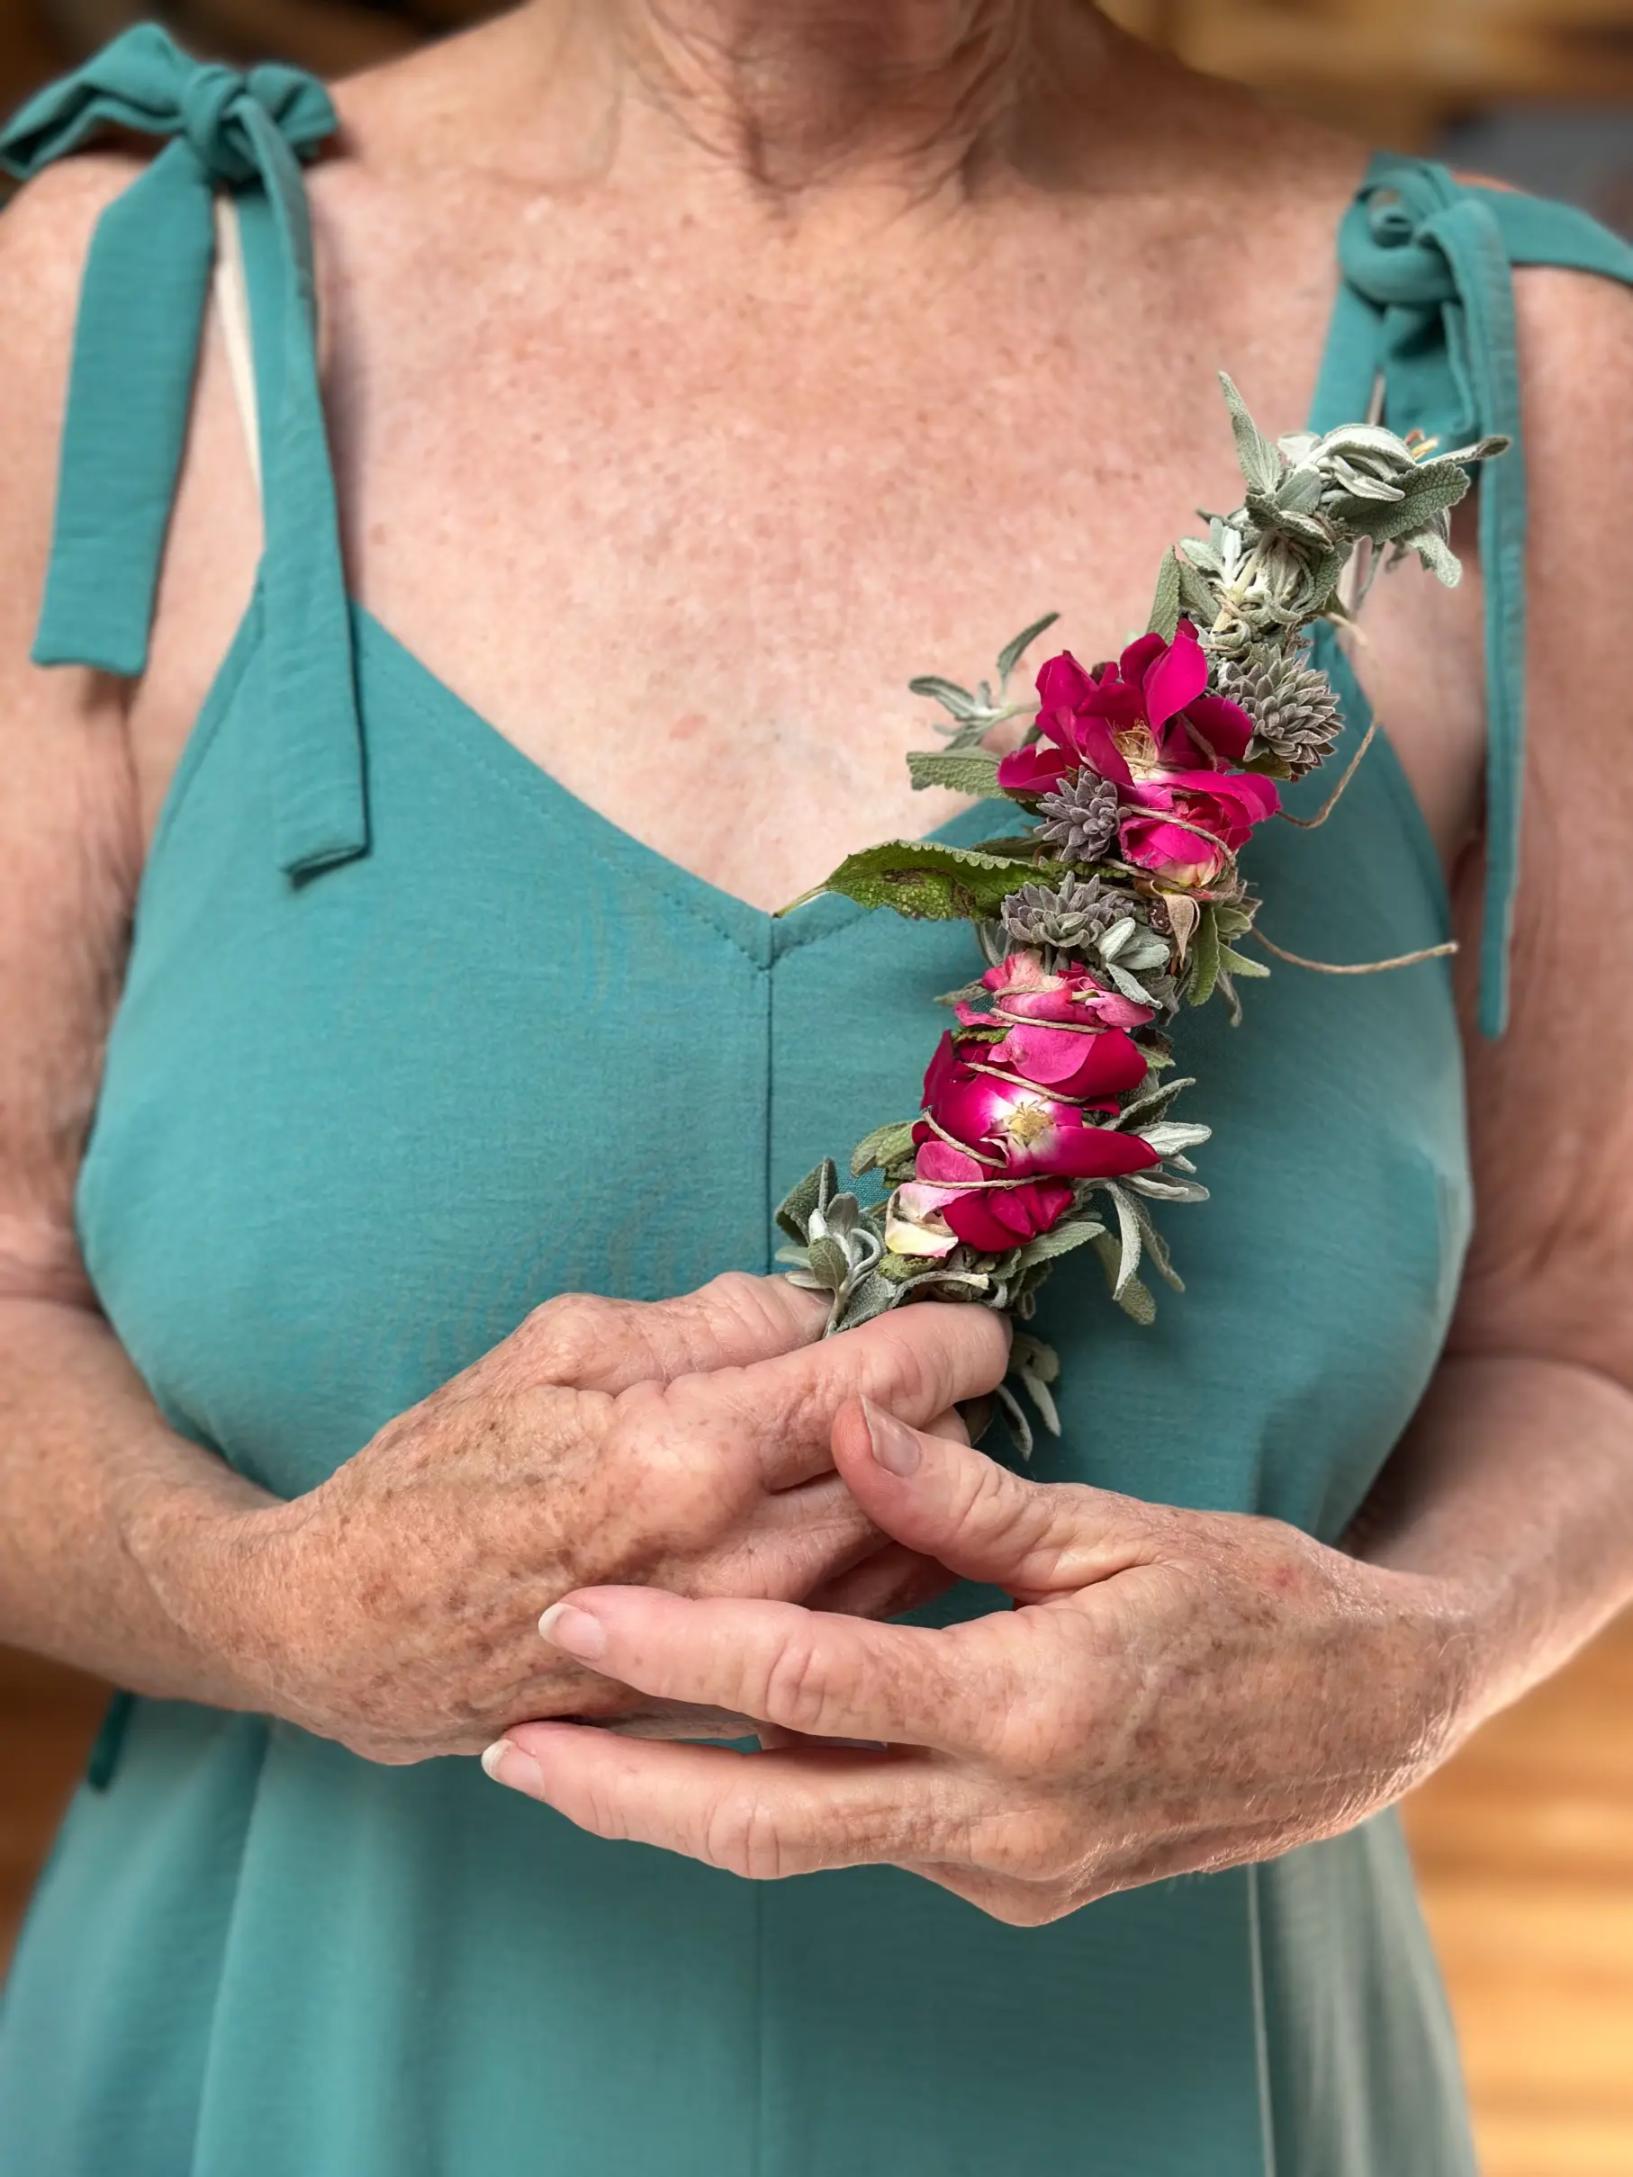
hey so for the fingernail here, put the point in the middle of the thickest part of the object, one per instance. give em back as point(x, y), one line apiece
point(574, 1629)
point(505, 1762)
point(894, 1445)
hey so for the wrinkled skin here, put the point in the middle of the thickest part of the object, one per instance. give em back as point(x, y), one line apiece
point(1174, 1691)
point(683, 1443)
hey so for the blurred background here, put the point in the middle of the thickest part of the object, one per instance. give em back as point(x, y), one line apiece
point(1525, 1843)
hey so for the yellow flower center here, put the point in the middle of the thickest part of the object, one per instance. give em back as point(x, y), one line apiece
point(1137, 746)
point(1026, 1123)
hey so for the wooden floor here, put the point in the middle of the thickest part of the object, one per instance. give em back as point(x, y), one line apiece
point(1525, 1845)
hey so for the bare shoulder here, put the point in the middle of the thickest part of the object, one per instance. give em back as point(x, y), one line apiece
point(44, 234)
point(1575, 332)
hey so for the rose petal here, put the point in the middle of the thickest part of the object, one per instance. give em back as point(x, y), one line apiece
point(942, 1165)
point(1099, 751)
point(1139, 656)
point(1172, 852)
point(1002, 1217)
point(908, 1226)
point(1174, 679)
point(942, 1069)
point(1033, 770)
point(1224, 726)
point(1021, 970)
point(974, 1109)
point(1103, 1064)
point(1101, 1152)
point(1062, 683)
point(1250, 797)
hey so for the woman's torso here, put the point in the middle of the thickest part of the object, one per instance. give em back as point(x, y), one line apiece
point(726, 491)
point(352, 1128)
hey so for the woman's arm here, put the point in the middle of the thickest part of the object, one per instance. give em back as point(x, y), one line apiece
point(392, 1607)
point(1519, 1468)
point(1187, 1691)
point(82, 1443)
point(82, 1448)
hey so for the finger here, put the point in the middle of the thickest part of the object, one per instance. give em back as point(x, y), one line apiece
point(595, 1344)
point(980, 1519)
point(918, 1361)
point(1003, 1897)
point(820, 1675)
point(761, 1816)
point(886, 1584)
point(799, 1539)
point(673, 1723)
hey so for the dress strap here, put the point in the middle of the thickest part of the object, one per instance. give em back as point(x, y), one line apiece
point(136, 342)
point(1427, 304)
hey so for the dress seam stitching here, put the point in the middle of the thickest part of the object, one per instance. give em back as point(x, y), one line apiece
point(489, 763)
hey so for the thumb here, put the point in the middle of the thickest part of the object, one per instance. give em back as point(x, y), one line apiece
point(982, 1521)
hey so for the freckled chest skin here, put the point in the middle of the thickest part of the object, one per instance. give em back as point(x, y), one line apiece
point(678, 490)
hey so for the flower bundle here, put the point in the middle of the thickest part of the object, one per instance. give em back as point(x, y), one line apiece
point(1046, 1117)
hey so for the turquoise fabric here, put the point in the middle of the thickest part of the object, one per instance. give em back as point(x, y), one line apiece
point(135, 354)
point(1427, 264)
point(355, 1122)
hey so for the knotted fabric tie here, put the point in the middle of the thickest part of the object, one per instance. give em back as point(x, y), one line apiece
point(1433, 259)
point(136, 345)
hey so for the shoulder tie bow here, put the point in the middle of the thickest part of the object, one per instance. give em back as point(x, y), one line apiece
point(136, 343)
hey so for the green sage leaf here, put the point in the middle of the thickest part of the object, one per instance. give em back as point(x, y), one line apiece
point(882, 1147)
point(1152, 1104)
point(1165, 605)
point(947, 693)
point(794, 1210)
point(929, 881)
point(1014, 650)
point(828, 1262)
point(1059, 1240)
point(1238, 963)
point(1172, 1137)
point(1129, 1243)
point(1204, 959)
point(1133, 1298)
point(1196, 595)
point(963, 770)
point(1259, 459)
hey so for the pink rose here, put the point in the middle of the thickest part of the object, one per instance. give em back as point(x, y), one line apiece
point(1021, 984)
point(1149, 711)
point(1225, 804)
point(1149, 725)
point(1031, 1127)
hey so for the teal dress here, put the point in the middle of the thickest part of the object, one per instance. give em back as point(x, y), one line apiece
point(392, 992)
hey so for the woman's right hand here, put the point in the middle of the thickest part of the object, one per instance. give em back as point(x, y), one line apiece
point(682, 1443)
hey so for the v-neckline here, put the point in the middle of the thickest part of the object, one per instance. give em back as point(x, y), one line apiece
point(763, 932)
point(760, 931)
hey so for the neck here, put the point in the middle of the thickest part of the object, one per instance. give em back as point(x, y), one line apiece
point(798, 94)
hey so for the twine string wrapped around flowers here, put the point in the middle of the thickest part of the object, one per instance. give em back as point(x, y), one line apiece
point(1044, 1122)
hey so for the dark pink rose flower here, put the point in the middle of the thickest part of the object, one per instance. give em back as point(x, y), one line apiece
point(930, 1221)
point(1021, 984)
point(1148, 712)
point(987, 1130)
point(1225, 804)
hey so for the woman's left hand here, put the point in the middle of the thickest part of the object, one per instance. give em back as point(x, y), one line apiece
point(1174, 1691)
